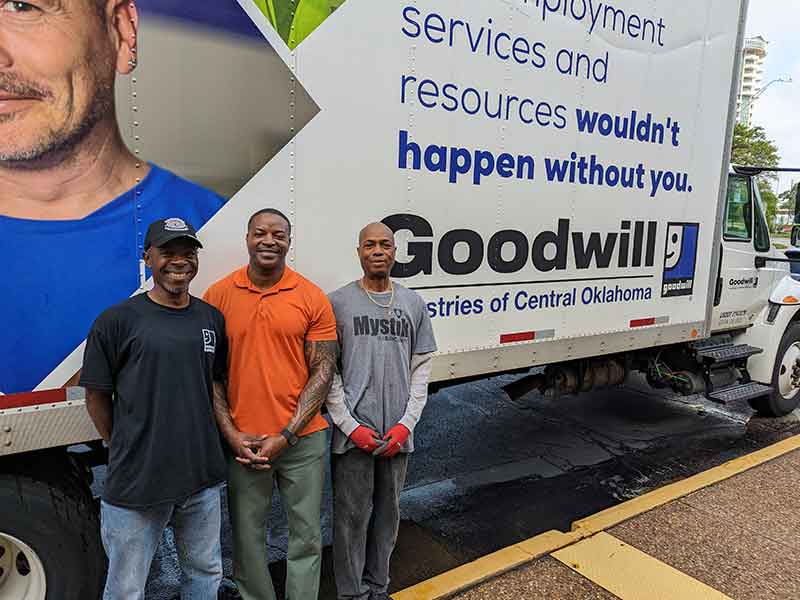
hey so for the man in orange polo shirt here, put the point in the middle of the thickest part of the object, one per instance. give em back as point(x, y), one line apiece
point(282, 354)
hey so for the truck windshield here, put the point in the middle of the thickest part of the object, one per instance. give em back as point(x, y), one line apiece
point(738, 210)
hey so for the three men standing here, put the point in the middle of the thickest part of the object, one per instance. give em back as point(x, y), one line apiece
point(386, 341)
point(150, 365)
point(267, 354)
point(282, 339)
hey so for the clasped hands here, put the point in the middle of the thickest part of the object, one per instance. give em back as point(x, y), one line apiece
point(369, 441)
point(256, 451)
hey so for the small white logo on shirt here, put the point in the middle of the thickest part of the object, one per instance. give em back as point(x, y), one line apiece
point(175, 225)
point(209, 340)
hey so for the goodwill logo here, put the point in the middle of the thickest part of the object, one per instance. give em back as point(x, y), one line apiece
point(209, 340)
point(680, 259)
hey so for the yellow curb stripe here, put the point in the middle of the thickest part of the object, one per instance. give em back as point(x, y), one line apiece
point(487, 567)
point(497, 563)
point(630, 574)
point(622, 512)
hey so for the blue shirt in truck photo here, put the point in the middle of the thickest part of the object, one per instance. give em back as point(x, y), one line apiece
point(58, 276)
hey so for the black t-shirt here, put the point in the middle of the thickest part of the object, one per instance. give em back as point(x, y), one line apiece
point(160, 363)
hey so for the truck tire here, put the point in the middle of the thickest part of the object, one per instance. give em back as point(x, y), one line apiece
point(50, 546)
point(784, 397)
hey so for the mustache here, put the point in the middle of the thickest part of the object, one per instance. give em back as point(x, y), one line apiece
point(11, 83)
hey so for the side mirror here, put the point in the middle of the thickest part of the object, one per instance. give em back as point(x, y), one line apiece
point(795, 235)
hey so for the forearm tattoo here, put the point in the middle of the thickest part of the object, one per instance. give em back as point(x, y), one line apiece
point(222, 411)
point(321, 360)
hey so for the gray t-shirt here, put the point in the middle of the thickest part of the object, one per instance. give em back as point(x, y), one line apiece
point(376, 349)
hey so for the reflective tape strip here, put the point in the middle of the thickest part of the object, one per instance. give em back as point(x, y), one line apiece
point(527, 336)
point(649, 321)
point(33, 398)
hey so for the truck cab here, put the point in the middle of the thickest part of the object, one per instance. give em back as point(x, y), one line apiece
point(743, 289)
point(757, 298)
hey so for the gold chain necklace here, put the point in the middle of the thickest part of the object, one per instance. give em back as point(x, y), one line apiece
point(375, 302)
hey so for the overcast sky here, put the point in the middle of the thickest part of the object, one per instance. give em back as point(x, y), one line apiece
point(778, 109)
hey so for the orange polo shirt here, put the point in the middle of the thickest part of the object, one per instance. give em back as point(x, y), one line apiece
point(267, 331)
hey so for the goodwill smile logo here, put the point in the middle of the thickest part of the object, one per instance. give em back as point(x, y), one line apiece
point(680, 259)
point(295, 20)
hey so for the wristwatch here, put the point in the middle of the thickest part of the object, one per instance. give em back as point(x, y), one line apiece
point(291, 438)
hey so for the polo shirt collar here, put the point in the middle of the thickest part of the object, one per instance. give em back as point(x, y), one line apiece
point(288, 281)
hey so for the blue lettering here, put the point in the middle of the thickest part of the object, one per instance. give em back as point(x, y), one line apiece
point(407, 11)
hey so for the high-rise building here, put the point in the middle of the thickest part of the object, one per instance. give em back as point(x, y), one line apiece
point(755, 53)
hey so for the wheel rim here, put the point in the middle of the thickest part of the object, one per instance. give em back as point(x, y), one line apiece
point(21, 571)
point(785, 385)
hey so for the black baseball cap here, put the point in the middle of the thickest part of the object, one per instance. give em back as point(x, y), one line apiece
point(165, 230)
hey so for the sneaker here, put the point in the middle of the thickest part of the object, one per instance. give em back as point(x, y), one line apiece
point(228, 591)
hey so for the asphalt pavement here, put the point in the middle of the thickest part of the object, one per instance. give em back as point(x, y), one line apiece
point(489, 472)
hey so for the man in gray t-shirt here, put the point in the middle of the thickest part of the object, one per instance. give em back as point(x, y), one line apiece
point(387, 342)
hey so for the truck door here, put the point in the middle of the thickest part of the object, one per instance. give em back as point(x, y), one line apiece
point(743, 290)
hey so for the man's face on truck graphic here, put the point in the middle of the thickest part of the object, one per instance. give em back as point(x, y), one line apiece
point(58, 60)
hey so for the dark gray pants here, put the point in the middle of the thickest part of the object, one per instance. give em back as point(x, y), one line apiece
point(366, 515)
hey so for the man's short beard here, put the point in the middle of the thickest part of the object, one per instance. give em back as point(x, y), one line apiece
point(57, 147)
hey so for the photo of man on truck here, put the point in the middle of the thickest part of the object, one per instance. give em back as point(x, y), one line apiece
point(74, 200)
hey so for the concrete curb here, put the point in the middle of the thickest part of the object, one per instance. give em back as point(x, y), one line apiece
point(490, 566)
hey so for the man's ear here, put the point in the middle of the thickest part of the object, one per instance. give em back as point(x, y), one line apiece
point(147, 259)
point(124, 20)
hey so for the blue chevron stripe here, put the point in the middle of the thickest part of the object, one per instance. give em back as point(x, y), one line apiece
point(219, 14)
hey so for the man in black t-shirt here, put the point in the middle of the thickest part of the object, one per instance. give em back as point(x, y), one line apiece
point(150, 369)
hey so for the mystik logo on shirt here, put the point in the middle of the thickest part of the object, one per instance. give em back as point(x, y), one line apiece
point(394, 326)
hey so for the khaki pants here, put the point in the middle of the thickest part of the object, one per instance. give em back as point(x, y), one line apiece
point(300, 475)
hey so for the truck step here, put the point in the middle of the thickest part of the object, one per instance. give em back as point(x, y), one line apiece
point(715, 341)
point(722, 354)
point(739, 392)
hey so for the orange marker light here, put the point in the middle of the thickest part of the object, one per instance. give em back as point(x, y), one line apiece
point(790, 300)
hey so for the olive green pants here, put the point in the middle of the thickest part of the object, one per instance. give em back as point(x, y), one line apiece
point(299, 473)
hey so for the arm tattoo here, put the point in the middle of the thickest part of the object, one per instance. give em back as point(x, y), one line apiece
point(222, 410)
point(321, 361)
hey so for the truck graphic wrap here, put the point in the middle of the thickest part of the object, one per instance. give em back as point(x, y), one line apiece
point(295, 20)
point(75, 252)
point(531, 161)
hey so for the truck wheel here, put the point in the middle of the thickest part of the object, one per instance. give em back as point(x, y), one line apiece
point(50, 546)
point(785, 397)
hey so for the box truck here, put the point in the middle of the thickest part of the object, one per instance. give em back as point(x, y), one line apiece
point(556, 173)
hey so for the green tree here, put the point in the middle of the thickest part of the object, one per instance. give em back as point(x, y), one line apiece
point(770, 201)
point(787, 198)
point(752, 148)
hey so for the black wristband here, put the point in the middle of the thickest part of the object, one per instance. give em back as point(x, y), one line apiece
point(291, 438)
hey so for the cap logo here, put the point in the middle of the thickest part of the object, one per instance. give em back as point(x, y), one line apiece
point(175, 225)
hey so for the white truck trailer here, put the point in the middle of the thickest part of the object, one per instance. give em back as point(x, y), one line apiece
point(556, 172)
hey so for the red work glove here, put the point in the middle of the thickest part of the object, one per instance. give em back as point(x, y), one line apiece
point(365, 439)
point(395, 438)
